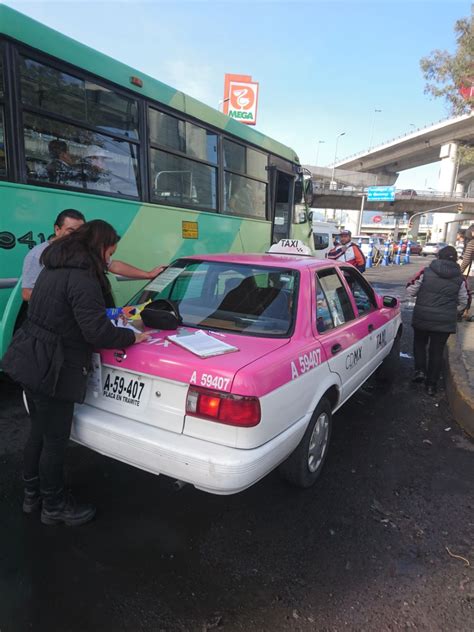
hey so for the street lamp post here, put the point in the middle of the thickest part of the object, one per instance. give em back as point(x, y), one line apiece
point(220, 104)
point(373, 127)
point(320, 142)
point(335, 158)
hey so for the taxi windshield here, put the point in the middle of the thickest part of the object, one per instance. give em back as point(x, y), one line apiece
point(254, 300)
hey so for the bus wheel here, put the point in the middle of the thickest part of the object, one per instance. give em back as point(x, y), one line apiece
point(305, 464)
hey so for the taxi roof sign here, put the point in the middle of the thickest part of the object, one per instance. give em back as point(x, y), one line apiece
point(290, 247)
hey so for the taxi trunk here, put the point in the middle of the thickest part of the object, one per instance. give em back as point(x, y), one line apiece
point(149, 383)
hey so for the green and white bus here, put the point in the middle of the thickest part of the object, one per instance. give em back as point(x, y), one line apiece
point(174, 176)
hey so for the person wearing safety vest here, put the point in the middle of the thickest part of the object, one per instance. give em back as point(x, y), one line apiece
point(348, 252)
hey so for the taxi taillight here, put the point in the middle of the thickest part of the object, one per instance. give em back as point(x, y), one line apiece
point(234, 410)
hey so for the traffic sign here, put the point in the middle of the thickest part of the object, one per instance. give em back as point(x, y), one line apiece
point(380, 194)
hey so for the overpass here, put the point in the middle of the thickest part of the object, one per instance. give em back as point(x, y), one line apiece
point(436, 142)
point(381, 166)
point(406, 201)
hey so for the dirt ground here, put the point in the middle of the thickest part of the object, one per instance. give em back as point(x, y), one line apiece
point(382, 543)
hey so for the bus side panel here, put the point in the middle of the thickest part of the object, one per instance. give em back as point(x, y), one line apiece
point(151, 235)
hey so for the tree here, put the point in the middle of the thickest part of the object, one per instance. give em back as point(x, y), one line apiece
point(446, 74)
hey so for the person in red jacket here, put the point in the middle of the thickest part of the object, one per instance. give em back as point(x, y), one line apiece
point(348, 252)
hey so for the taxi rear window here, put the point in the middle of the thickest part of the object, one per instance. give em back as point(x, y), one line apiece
point(254, 300)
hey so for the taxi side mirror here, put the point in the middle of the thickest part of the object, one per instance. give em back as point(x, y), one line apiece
point(389, 301)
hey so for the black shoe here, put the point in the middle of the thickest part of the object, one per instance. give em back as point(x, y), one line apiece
point(31, 501)
point(419, 377)
point(431, 389)
point(68, 512)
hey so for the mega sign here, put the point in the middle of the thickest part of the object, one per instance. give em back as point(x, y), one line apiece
point(240, 98)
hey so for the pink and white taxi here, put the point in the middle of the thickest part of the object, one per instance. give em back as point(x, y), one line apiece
point(269, 348)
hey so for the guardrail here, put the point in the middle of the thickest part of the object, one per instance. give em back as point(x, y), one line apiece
point(402, 194)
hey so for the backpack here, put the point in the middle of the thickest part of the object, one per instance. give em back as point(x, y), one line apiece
point(360, 258)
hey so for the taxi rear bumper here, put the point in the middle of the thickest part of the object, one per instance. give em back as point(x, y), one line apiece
point(214, 468)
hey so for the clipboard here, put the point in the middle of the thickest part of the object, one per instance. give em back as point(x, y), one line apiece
point(202, 344)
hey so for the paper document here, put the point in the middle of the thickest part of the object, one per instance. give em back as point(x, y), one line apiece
point(119, 323)
point(202, 344)
point(162, 280)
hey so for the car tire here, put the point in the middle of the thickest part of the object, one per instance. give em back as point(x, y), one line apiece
point(389, 370)
point(424, 254)
point(305, 463)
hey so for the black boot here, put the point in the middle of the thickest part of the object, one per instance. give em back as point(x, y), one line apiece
point(62, 508)
point(431, 389)
point(419, 376)
point(32, 498)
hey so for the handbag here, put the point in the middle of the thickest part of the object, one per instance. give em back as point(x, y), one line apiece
point(161, 314)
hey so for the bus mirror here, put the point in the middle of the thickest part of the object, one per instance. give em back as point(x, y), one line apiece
point(308, 192)
point(310, 216)
point(299, 190)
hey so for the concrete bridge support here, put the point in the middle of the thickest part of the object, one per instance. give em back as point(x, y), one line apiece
point(415, 228)
point(443, 226)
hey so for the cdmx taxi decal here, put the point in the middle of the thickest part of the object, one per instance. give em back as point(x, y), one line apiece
point(353, 358)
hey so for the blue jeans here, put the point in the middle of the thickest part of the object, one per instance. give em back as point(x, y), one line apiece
point(45, 448)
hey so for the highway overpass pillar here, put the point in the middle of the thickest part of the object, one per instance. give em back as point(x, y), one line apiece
point(447, 169)
point(446, 183)
point(414, 228)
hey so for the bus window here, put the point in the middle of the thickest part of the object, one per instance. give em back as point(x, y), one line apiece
point(177, 135)
point(1, 73)
point(3, 170)
point(245, 160)
point(243, 196)
point(177, 180)
point(59, 153)
point(83, 101)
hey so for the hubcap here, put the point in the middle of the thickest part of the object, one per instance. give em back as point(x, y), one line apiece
point(318, 442)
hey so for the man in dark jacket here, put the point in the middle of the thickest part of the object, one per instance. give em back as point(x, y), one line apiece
point(441, 294)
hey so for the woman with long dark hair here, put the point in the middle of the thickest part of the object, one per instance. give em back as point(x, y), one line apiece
point(50, 356)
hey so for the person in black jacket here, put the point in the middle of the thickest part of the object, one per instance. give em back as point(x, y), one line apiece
point(50, 356)
point(441, 294)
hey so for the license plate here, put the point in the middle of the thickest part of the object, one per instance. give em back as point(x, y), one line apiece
point(125, 388)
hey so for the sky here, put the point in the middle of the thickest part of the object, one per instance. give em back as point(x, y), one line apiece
point(323, 67)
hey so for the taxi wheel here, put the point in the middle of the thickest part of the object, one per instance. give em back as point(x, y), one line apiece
point(389, 370)
point(304, 465)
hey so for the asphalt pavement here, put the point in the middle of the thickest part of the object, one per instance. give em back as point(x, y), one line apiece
point(383, 542)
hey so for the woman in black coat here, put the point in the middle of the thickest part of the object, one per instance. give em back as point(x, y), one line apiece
point(441, 294)
point(50, 356)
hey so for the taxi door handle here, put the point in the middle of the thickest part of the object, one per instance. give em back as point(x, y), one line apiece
point(371, 329)
point(335, 348)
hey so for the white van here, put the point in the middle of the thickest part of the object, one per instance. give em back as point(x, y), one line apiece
point(364, 242)
point(323, 234)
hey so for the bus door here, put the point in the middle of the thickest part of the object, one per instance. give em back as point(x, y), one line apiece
point(283, 187)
